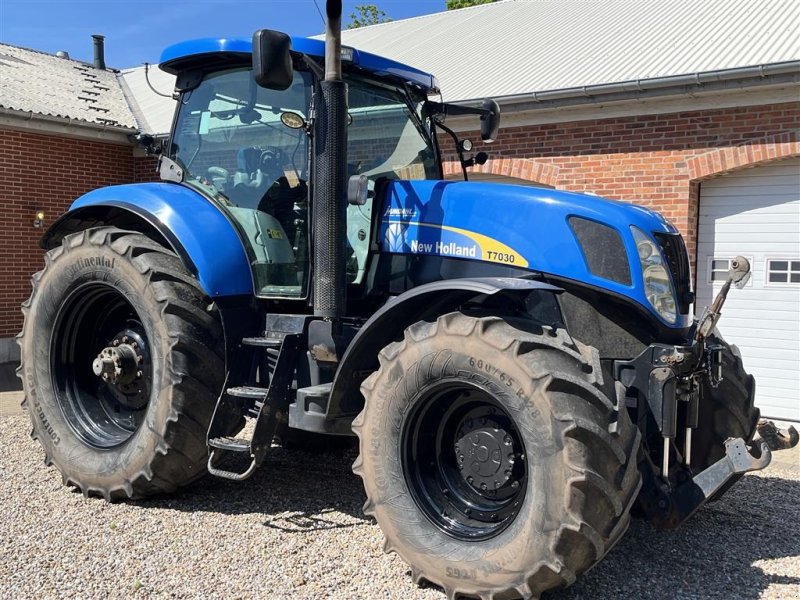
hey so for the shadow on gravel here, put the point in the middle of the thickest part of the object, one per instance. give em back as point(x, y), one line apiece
point(306, 485)
point(715, 555)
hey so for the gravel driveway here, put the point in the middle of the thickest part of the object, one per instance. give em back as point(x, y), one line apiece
point(295, 530)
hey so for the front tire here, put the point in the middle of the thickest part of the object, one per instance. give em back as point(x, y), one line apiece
point(520, 411)
point(140, 428)
point(726, 411)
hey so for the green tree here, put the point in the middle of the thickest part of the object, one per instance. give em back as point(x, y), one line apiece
point(367, 14)
point(454, 4)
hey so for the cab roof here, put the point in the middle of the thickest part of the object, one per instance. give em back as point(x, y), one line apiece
point(188, 54)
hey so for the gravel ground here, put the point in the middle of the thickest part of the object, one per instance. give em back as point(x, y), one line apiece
point(295, 530)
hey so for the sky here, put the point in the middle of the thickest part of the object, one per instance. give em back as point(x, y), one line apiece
point(137, 31)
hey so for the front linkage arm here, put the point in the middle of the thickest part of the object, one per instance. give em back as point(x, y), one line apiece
point(656, 382)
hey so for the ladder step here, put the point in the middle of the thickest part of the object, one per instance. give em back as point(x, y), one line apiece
point(230, 444)
point(263, 342)
point(247, 391)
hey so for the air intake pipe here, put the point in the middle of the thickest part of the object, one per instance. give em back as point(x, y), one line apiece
point(330, 172)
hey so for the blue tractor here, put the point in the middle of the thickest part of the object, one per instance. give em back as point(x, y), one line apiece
point(520, 365)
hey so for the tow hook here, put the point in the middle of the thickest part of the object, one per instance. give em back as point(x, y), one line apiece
point(737, 460)
point(775, 437)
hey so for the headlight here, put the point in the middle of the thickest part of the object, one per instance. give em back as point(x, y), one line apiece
point(657, 283)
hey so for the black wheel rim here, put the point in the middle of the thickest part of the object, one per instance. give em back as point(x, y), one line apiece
point(464, 461)
point(97, 321)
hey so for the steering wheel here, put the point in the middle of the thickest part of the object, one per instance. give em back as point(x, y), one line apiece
point(271, 163)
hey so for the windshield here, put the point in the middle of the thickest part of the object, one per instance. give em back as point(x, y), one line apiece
point(232, 144)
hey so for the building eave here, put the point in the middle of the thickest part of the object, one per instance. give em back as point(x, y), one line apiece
point(65, 126)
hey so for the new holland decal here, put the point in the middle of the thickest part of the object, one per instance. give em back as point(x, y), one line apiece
point(411, 237)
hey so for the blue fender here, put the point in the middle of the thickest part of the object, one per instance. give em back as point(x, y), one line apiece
point(389, 321)
point(199, 232)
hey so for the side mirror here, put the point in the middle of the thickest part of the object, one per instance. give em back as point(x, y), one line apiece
point(272, 59)
point(490, 122)
point(358, 190)
point(152, 146)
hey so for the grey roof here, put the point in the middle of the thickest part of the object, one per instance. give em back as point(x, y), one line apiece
point(43, 84)
point(516, 47)
point(153, 112)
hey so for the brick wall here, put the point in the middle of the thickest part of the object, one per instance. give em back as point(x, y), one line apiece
point(655, 160)
point(43, 173)
point(644, 159)
point(145, 169)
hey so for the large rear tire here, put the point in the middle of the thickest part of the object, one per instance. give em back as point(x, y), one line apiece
point(139, 428)
point(492, 460)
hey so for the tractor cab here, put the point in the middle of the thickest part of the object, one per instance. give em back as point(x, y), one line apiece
point(249, 147)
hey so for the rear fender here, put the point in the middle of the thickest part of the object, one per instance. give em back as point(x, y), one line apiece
point(388, 323)
point(200, 233)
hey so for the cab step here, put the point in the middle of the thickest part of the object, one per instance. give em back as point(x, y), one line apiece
point(263, 342)
point(230, 444)
point(247, 391)
point(269, 407)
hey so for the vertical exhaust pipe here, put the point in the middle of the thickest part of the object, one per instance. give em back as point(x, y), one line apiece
point(99, 51)
point(330, 173)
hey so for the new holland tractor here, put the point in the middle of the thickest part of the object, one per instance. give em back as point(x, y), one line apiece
point(520, 365)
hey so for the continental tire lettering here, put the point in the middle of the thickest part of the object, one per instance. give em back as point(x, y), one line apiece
point(48, 429)
point(91, 263)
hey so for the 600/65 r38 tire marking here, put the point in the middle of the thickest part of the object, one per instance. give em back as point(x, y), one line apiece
point(552, 461)
point(136, 426)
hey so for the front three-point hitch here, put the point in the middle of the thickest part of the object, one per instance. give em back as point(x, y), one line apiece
point(661, 379)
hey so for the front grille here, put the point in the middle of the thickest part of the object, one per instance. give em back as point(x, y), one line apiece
point(674, 250)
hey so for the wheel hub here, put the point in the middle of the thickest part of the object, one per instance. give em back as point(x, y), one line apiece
point(464, 460)
point(484, 451)
point(121, 366)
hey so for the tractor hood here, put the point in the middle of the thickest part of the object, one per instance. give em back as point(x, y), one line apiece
point(578, 237)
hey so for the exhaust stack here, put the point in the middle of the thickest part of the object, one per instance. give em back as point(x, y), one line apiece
point(99, 51)
point(330, 173)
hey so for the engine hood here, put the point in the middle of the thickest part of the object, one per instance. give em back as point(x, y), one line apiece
point(531, 228)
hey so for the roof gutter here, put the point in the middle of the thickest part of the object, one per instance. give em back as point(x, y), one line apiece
point(29, 115)
point(23, 119)
point(626, 89)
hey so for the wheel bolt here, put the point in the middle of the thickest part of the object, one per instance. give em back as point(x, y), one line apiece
point(515, 485)
point(470, 479)
point(483, 487)
point(508, 441)
point(138, 373)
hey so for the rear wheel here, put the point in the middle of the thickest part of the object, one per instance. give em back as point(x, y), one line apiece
point(493, 462)
point(122, 362)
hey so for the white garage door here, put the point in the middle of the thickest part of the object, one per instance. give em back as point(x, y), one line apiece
point(756, 213)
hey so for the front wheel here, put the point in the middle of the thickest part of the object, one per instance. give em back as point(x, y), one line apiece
point(122, 362)
point(492, 460)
